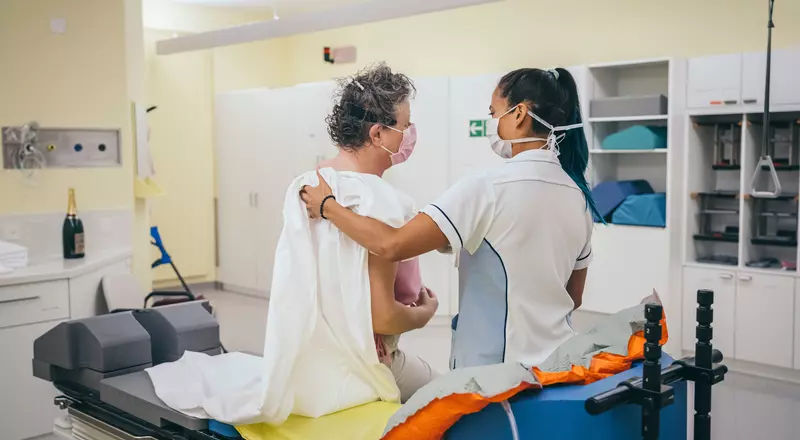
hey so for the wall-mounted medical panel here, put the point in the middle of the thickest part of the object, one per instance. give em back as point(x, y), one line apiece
point(30, 146)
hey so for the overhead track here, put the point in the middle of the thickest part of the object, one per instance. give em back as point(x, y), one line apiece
point(359, 13)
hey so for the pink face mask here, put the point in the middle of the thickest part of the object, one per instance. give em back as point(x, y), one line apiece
point(406, 146)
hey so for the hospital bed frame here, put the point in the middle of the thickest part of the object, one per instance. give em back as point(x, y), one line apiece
point(98, 364)
point(653, 392)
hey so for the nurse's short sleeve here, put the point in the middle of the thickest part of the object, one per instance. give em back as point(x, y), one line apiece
point(464, 213)
point(586, 256)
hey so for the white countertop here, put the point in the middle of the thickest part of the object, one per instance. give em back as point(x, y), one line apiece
point(59, 268)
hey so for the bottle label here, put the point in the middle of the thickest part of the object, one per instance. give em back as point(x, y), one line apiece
point(79, 243)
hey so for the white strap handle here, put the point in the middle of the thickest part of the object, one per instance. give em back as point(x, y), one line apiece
point(766, 161)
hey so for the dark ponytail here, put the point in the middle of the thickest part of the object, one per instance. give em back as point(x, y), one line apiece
point(553, 96)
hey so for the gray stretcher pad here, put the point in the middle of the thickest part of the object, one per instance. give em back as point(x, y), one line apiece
point(108, 355)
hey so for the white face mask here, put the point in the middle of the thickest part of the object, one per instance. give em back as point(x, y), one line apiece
point(503, 147)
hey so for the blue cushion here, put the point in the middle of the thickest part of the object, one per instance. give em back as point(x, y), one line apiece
point(609, 195)
point(223, 430)
point(638, 137)
point(642, 210)
point(558, 413)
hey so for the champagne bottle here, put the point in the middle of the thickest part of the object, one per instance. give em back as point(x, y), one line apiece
point(72, 233)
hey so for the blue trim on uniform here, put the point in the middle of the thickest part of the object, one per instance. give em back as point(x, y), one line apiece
point(454, 322)
point(451, 224)
point(505, 273)
point(587, 256)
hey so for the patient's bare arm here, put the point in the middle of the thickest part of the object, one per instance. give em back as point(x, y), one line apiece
point(390, 317)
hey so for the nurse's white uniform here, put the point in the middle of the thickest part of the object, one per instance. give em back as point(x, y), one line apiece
point(519, 230)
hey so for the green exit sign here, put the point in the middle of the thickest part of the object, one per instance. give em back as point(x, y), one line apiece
point(477, 128)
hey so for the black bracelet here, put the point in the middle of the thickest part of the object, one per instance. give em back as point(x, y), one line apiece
point(322, 205)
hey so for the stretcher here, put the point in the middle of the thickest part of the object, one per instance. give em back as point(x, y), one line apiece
point(98, 365)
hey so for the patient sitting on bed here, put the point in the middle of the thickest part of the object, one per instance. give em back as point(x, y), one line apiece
point(367, 126)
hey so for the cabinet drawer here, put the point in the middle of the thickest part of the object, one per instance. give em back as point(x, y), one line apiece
point(30, 303)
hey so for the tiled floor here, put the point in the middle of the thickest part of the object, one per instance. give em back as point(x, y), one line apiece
point(745, 407)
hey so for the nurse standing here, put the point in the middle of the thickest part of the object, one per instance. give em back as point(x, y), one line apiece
point(521, 231)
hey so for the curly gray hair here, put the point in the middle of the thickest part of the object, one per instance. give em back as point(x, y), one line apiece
point(370, 97)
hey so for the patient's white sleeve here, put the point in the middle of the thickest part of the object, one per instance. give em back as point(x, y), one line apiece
point(464, 213)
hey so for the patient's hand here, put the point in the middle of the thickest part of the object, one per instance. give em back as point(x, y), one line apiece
point(428, 301)
point(314, 195)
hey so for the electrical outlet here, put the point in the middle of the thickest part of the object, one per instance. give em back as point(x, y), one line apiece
point(12, 232)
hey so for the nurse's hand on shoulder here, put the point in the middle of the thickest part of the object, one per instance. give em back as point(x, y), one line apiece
point(314, 195)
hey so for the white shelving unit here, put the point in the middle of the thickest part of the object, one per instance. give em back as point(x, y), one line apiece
point(757, 309)
point(627, 80)
point(636, 260)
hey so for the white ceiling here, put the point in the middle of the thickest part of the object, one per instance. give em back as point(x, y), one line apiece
point(287, 5)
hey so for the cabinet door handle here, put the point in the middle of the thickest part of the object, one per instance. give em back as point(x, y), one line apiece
point(726, 276)
point(255, 195)
point(745, 278)
point(750, 101)
point(16, 300)
point(731, 101)
point(251, 200)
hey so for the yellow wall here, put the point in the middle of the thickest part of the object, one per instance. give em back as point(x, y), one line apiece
point(76, 79)
point(514, 33)
point(183, 86)
point(182, 146)
point(482, 39)
point(247, 66)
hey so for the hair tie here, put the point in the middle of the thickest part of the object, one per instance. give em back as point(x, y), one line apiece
point(358, 84)
point(554, 72)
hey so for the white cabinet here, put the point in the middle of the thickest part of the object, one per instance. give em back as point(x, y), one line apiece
point(785, 85)
point(264, 139)
point(470, 97)
point(714, 81)
point(237, 142)
point(765, 319)
point(296, 139)
point(629, 263)
point(797, 326)
point(723, 283)
point(28, 411)
point(754, 71)
point(430, 158)
point(31, 303)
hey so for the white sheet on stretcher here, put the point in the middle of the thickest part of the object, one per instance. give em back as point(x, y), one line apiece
point(319, 351)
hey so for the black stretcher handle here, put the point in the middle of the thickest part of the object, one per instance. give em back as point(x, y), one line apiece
point(621, 394)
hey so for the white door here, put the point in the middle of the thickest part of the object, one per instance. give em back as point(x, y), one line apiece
point(714, 81)
point(785, 85)
point(31, 412)
point(295, 136)
point(425, 177)
point(723, 283)
point(765, 319)
point(237, 143)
